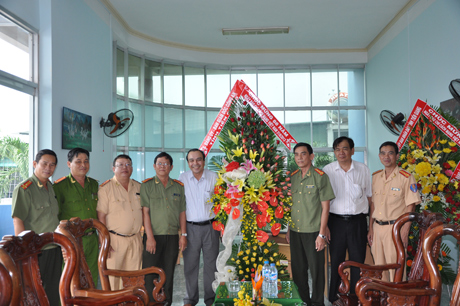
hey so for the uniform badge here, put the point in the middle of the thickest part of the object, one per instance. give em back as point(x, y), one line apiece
point(413, 187)
point(396, 189)
point(309, 186)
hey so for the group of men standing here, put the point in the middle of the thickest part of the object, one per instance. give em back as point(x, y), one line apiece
point(330, 206)
point(165, 207)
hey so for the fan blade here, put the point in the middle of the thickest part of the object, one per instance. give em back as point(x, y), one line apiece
point(115, 119)
point(118, 125)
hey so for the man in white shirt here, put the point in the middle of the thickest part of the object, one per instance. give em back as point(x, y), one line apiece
point(351, 182)
point(199, 187)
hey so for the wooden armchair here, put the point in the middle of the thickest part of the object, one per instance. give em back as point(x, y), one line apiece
point(410, 293)
point(10, 282)
point(424, 220)
point(82, 283)
point(19, 255)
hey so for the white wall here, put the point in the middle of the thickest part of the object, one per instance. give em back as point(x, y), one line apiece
point(418, 63)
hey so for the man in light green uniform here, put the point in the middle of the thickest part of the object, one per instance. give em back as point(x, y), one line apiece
point(311, 194)
point(35, 208)
point(77, 197)
point(163, 211)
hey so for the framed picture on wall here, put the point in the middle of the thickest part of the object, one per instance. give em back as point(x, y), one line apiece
point(76, 129)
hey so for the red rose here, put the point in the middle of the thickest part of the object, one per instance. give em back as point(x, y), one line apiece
point(409, 248)
point(454, 149)
point(234, 130)
point(249, 123)
point(253, 275)
point(252, 270)
point(448, 219)
point(252, 115)
point(244, 102)
point(446, 165)
point(276, 229)
point(232, 119)
point(262, 236)
point(236, 213)
point(232, 166)
point(279, 212)
point(248, 111)
point(253, 123)
point(277, 142)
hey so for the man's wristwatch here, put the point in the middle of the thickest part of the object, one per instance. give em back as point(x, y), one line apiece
point(322, 236)
point(184, 234)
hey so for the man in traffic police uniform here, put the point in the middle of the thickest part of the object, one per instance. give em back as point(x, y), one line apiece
point(35, 208)
point(163, 210)
point(119, 208)
point(77, 197)
point(394, 192)
point(311, 195)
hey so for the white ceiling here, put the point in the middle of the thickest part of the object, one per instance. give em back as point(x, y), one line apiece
point(314, 24)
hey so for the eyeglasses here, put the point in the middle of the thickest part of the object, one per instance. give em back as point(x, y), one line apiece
point(123, 165)
point(163, 164)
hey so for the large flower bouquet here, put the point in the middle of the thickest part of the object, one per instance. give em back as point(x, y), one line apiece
point(432, 157)
point(251, 179)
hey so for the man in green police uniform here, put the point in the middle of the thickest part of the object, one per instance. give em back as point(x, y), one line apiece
point(35, 208)
point(77, 197)
point(311, 194)
point(163, 211)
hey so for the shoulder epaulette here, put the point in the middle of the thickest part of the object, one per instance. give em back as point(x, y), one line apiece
point(179, 182)
point(378, 171)
point(404, 173)
point(319, 171)
point(26, 185)
point(102, 185)
point(146, 180)
point(60, 180)
point(295, 172)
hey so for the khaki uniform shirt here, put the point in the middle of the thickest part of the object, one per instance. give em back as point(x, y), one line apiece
point(74, 200)
point(307, 194)
point(36, 206)
point(392, 195)
point(123, 208)
point(165, 204)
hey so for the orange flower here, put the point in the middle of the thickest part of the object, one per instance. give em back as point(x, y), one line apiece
point(443, 253)
point(409, 262)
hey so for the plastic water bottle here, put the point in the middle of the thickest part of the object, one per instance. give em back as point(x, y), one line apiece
point(266, 276)
point(273, 283)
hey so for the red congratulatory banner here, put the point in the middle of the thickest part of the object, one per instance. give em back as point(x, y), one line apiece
point(241, 89)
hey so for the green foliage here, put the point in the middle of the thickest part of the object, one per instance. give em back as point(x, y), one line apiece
point(15, 150)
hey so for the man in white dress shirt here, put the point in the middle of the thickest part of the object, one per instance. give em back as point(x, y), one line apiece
point(351, 182)
point(199, 186)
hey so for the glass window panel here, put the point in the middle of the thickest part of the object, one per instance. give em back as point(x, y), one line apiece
point(134, 77)
point(351, 82)
point(173, 127)
point(195, 129)
point(211, 116)
point(179, 164)
point(218, 87)
point(248, 76)
point(297, 88)
point(323, 129)
point(153, 126)
point(15, 49)
point(270, 89)
point(298, 125)
point(122, 140)
point(149, 161)
point(15, 129)
point(194, 86)
point(279, 115)
point(152, 84)
point(173, 84)
point(324, 86)
point(135, 130)
point(357, 130)
point(120, 72)
point(138, 168)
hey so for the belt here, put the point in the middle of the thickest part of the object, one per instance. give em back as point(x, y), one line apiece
point(385, 222)
point(348, 217)
point(113, 232)
point(201, 222)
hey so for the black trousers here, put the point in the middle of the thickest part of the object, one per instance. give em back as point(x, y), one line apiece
point(165, 257)
point(50, 265)
point(346, 235)
point(303, 257)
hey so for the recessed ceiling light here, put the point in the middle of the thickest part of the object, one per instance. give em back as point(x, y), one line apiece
point(256, 31)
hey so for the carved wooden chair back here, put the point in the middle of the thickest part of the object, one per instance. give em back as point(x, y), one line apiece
point(19, 255)
point(429, 255)
point(10, 290)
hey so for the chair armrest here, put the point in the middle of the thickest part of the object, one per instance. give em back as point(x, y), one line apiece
point(85, 301)
point(398, 294)
point(366, 271)
point(138, 292)
point(136, 278)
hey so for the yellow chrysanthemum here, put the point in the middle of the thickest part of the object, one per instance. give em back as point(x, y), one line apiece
point(426, 190)
point(456, 184)
point(275, 254)
point(248, 251)
point(238, 262)
point(240, 272)
point(452, 163)
point(423, 168)
point(442, 178)
point(266, 251)
point(452, 144)
point(437, 151)
point(446, 150)
point(247, 270)
point(253, 259)
point(436, 199)
point(271, 259)
point(443, 141)
point(441, 187)
point(261, 244)
point(254, 247)
point(233, 259)
point(282, 272)
point(247, 262)
point(254, 254)
point(404, 166)
point(240, 253)
point(269, 244)
point(245, 257)
point(402, 156)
